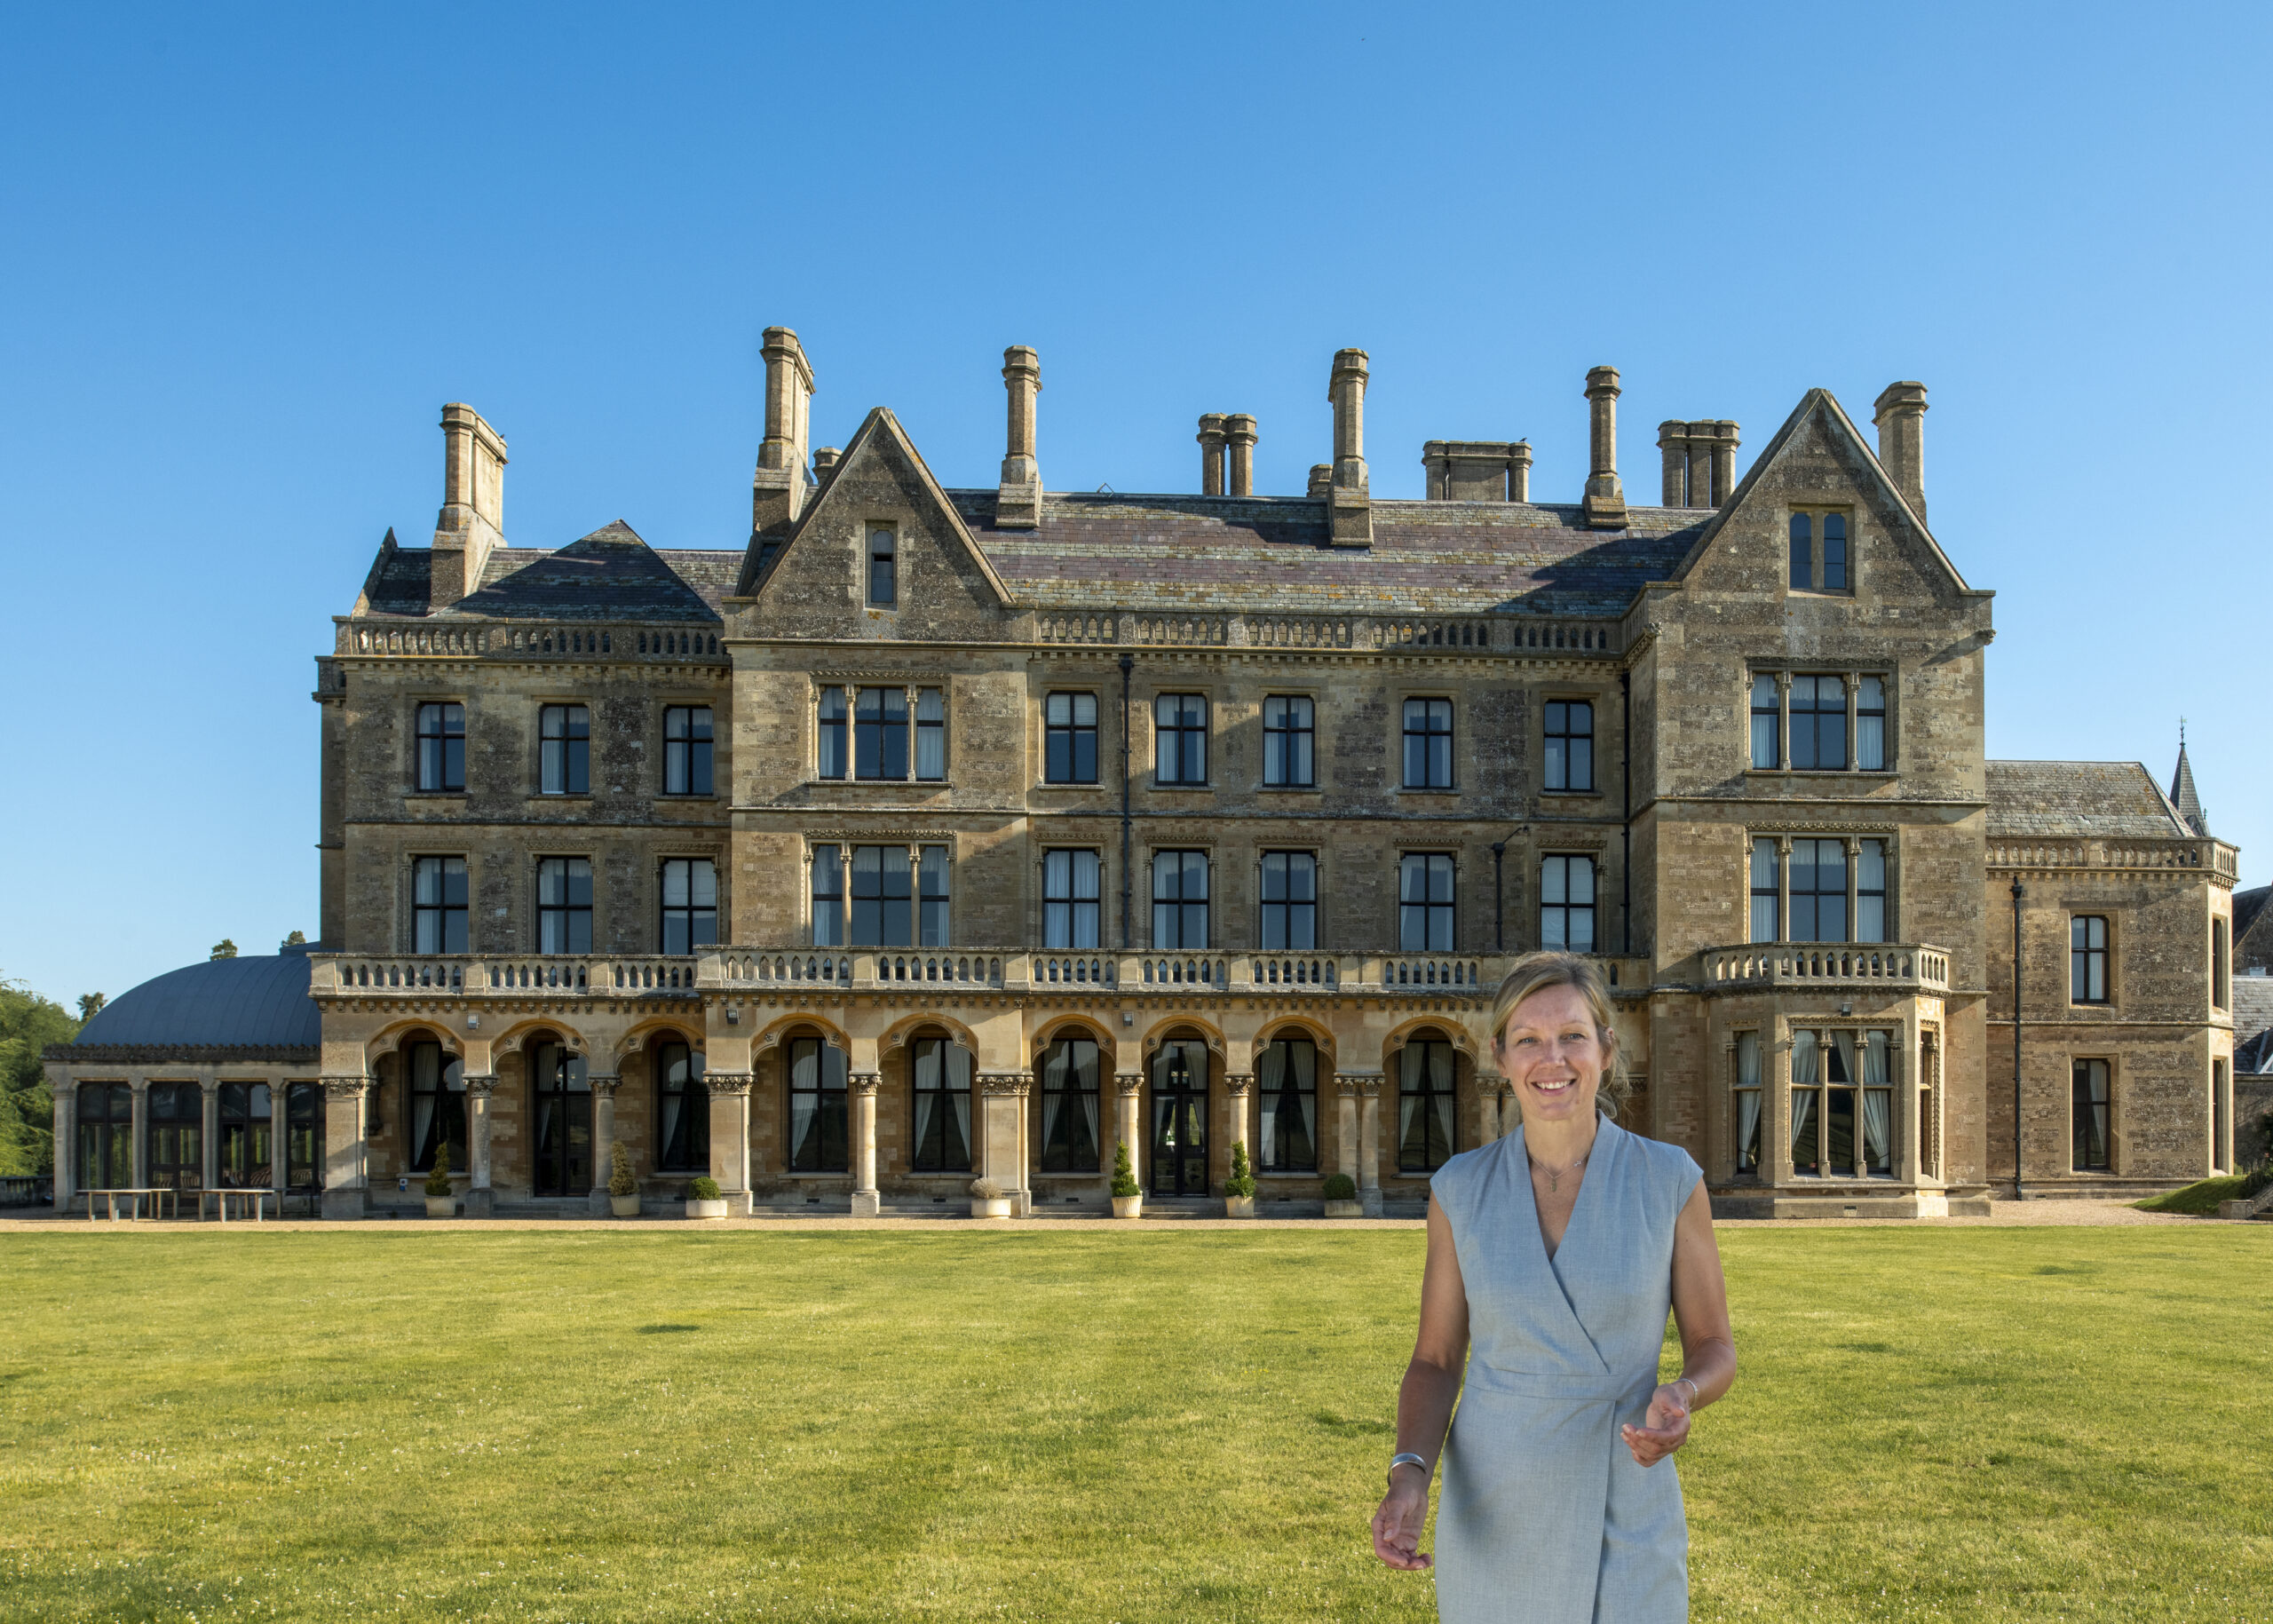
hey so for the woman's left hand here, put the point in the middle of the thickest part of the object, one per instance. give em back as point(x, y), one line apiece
point(1665, 1429)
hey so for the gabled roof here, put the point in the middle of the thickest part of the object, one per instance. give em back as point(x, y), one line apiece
point(610, 574)
point(2109, 799)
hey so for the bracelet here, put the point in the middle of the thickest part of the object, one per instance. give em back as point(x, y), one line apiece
point(1396, 1461)
point(1677, 1381)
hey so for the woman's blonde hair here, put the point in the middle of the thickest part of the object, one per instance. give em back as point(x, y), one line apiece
point(1535, 973)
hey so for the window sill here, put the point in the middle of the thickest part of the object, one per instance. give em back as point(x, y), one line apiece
point(681, 800)
point(541, 799)
point(1875, 772)
point(924, 784)
point(1573, 794)
point(1095, 787)
point(1161, 789)
point(433, 794)
point(1442, 791)
point(1289, 789)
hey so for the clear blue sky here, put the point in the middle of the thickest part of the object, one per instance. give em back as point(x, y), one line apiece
point(250, 251)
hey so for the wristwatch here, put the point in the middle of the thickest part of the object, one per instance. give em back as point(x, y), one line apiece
point(1396, 1461)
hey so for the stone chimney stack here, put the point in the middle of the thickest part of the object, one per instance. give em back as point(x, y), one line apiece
point(473, 520)
point(1519, 471)
point(1700, 461)
point(778, 487)
point(1477, 470)
point(1605, 499)
point(1725, 460)
point(825, 458)
point(1350, 501)
point(1673, 449)
point(1900, 414)
point(1238, 428)
point(1017, 505)
point(1211, 453)
point(1321, 485)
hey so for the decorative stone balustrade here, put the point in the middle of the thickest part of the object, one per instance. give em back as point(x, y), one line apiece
point(531, 640)
point(1890, 966)
point(607, 975)
point(1387, 633)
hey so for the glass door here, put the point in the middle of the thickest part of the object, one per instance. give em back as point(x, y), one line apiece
point(1180, 1120)
point(564, 1122)
point(106, 1136)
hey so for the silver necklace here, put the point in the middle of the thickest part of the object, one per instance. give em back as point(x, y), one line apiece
point(1553, 1177)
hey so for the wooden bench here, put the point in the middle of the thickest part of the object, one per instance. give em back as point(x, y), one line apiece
point(225, 1196)
point(159, 1196)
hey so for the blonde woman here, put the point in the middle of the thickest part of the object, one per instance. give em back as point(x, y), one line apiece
point(1553, 1256)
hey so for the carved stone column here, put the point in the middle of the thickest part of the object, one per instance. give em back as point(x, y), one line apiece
point(604, 1087)
point(1345, 1136)
point(730, 1137)
point(209, 1134)
point(480, 1199)
point(1487, 1108)
point(1131, 1119)
point(344, 1162)
point(1003, 1136)
point(280, 1140)
point(1369, 1141)
point(862, 1088)
point(137, 1150)
point(1239, 1086)
point(67, 1144)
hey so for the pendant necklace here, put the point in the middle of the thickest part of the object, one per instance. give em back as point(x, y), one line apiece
point(1554, 1175)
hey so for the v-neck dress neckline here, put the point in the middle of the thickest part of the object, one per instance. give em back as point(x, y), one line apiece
point(1586, 1181)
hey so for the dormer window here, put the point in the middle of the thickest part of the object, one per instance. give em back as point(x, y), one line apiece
point(1820, 559)
point(883, 566)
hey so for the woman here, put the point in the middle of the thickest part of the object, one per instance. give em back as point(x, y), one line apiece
point(1556, 1251)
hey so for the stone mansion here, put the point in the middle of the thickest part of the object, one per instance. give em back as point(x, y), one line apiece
point(937, 832)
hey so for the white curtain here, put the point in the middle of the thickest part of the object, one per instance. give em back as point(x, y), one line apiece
point(1842, 1058)
point(1878, 1101)
point(1440, 1083)
point(1804, 1051)
point(1270, 1077)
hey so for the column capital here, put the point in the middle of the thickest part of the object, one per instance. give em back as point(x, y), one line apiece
point(1130, 1083)
point(344, 1087)
point(1367, 1083)
point(1784, 681)
point(1004, 1084)
point(604, 1084)
point(211, 1085)
point(865, 1082)
point(480, 1085)
point(1238, 1082)
point(728, 1082)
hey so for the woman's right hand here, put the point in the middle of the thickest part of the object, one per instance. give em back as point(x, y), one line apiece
point(1404, 1512)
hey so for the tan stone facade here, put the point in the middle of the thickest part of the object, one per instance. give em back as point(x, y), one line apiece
point(1029, 824)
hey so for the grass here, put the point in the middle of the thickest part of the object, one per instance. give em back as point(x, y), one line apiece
point(1976, 1424)
point(2200, 1199)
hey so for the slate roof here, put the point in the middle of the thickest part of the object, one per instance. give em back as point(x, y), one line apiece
point(1271, 552)
point(2109, 799)
point(2253, 998)
point(610, 574)
point(2255, 1057)
point(259, 1002)
point(2183, 796)
point(2248, 905)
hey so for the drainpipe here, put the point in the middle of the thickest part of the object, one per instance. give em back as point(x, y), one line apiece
point(1127, 666)
point(2017, 894)
point(1499, 905)
point(1626, 830)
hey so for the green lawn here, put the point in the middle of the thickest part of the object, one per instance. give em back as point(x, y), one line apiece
point(1974, 1424)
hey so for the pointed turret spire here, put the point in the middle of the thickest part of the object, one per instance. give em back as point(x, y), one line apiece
point(2181, 790)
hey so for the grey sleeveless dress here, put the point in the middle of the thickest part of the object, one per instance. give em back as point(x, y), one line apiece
point(1544, 1517)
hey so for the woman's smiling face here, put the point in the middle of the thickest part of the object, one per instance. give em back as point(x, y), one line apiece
point(1551, 1052)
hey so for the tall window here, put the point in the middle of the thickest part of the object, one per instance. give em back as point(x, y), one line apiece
point(682, 1111)
point(1427, 744)
point(829, 897)
point(1870, 892)
point(441, 747)
point(1285, 1081)
point(940, 1072)
point(1767, 912)
point(1069, 753)
point(1179, 899)
point(2088, 959)
point(1180, 739)
point(1070, 1073)
point(686, 750)
point(564, 905)
point(437, 1116)
point(1069, 898)
point(931, 893)
point(817, 1134)
point(1870, 725)
point(883, 566)
point(930, 734)
point(177, 1132)
point(1802, 553)
point(304, 1145)
point(880, 733)
point(829, 757)
point(564, 750)
point(1290, 724)
point(2222, 1101)
point(1570, 744)
point(1819, 885)
point(1424, 902)
point(1289, 902)
point(2088, 1116)
point(2221, 969)
point(1834, 552)
point(561, 1090)
point(106, 1119)
point(247, 1123)
point(1425, 1116)
point(690, 904)
point(1566, 904)
point(1747, 1102)
point(437, 905)
point(1818, 724)
point(1767, 722)
point(1842, 1104)
point(883, 896)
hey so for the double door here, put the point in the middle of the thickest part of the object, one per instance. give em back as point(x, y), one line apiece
point(1180, 1119)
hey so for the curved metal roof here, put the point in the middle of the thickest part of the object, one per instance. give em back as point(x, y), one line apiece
point(260, 1001)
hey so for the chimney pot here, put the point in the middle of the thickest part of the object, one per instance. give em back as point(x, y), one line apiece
point(1605, 499)
point(1211, 453)
point(778, 487)
point(824, 459)
point(1724, 462)
point(1017, 505)
point(1322, 480)
point(1350, 509)
point(1672, 447)
point(472, 520)
point(1519, 471)
point(1238, 429)
point(1900, 415)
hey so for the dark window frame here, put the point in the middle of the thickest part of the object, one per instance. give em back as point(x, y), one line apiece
point(933, 904)
point(1816, 896)
point(832, 738)
point(1283, 1085)
point(931, 1144)
point(244, 1128)
point(1429, 747)
point(2088, 965)
point(1066, 1122)
point(930, 719)
point(880, 737)
point(1295, 916)
point(560, 1110)
point(1870, 723)
point(445, 1085)
point(883, 566)
point(1772, 714)
point(564, 750)
point(689, 747)
point(1420, 917)
point(2091, 1116)
point(827, 882)
point(1819, 716)
point(698, 920)
point(1837, 1104)
point(441, 922)
point(441, 754)
point(1173, 902)
point(1180, 740)
point(173, 1133)
point(559, 916)
point(1069, 746)
point(1801, 559)
point(1422, 1103)
point(813, 1066)
point(878, 889)
point(1067, 916)
point(1563, 910)
point(1568, 749)
point(1289, 741)
point(677, 1150)
point(106, 1136)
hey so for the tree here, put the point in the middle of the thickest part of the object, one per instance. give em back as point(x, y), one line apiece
point(90, 1005)
point(224, 949)
point(298, 939)
point(28, 1023)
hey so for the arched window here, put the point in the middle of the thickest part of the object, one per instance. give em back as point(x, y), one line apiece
point(436, 1085)
point(1070, 1078)
point(562, 1096)
point(106, 1130)
point(682, 1111)
point(176, 1136)
point(1425, 1117)
point(246, 1124)
point(939, 1071)
point(1180, 1118)
point(817, 1131)
point(1285, 1081)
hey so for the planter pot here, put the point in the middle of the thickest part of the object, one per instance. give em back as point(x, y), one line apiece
point(623, 1205)
point(1128, 1205)
point(706, 1209)
point(441, 1205)
point(1239, 1206)
point(998, 1206)
point(1345, 1209)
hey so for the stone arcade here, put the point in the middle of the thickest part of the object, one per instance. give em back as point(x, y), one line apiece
point(935, 833)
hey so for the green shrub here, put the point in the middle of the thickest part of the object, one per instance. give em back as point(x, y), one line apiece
point(621, 1179)
point(1124, 1172)
point(1240, 1184)
point(437, 1182)
point(1341, 1187)
point(702, 1190)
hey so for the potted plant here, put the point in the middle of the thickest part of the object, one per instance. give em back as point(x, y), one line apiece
point(1238, 1189)
point(1128, 1199)
point(622, 1187)
point(1341, 1197)
point(440, 1203)
point(987, 1200)
point(703, 1199)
